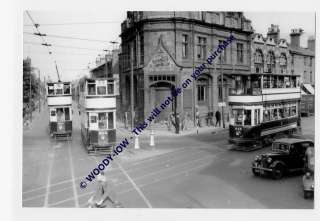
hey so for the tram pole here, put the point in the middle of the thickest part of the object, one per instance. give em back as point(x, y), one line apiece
point(131, 87)
point(222, 94)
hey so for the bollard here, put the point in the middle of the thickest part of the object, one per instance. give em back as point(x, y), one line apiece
point(152, 138)
point(136, 142)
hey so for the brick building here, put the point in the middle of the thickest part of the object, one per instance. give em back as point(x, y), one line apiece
point(167, 46)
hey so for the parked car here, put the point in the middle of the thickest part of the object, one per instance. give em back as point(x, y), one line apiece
point(308, 177)
point(287, 156)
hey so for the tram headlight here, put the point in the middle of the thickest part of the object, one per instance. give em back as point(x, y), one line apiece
point(269, 160)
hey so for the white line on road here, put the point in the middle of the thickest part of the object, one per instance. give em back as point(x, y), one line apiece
point(144, 176)
point(76, 200)
point(51, 160)
point(135, 186)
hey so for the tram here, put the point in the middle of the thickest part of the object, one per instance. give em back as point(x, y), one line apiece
point(262, 108)
point(59, 100)
point(97, 109)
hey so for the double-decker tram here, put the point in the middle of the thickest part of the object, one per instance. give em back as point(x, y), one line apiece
point(263, 107)
point(97, 108)
point(59, 100)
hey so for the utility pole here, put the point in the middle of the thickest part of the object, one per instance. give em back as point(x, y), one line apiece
point(30, 109)
point(222, 94)
point(39, 89)
point(131, 87)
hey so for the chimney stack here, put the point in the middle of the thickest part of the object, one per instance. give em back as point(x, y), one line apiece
point(295, 37)
point(311, 43)
point(274, 33)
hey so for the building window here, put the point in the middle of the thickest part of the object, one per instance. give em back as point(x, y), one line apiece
point(283, 64)
point(223, 55)
point(271, 62)
point(240, 53)
point(184, 46)
point(201, 92)
point(310, 62)
point(310, 76)
point(305, 60)
point(141, 49)
point(258, 61)
point(201, 48)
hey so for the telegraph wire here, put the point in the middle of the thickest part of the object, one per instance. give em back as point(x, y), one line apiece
point(78, 23)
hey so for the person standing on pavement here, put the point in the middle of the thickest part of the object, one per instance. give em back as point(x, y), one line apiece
point(218, 118)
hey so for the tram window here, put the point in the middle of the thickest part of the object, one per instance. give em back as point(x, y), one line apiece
point(102, 121)
point(287, 82)
point(110, 120)
point(294, 81)
point(266, 115)
point(281, 112)
point(293, 110)
point(256, 85)
point(58, 91)
point(275, 114)
point(110, 88)
point(280, 82)
point(247, 117)
point(285, 112)
point(50, 90)
point(101, 90)
point(66, 88)
point(67, 113)
point(93, 119)
point(60, 115)
point(53, 113)
point(266, 82)
point(92, 89)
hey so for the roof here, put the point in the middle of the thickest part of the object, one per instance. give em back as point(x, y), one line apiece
point(291, 140)
point(301, 51)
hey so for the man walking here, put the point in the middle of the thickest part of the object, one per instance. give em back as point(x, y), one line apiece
point(218, 118)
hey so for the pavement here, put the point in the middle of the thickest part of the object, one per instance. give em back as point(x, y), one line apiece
point(187, 171)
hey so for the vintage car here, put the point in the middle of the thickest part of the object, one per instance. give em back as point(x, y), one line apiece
point(287, 155)
point(308, 177)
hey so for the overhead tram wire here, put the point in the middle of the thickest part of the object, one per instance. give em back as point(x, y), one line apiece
point(68, 37)
point(79, 23)
point(44, 43)
point(64, 46)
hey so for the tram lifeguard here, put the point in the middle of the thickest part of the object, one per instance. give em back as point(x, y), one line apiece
point(262, 106)
point(59, 101)
point(97, 105)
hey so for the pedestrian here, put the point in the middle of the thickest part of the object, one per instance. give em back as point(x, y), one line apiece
point(218, 118)
point(197, 116)
point(177, 123)
point(104, 194)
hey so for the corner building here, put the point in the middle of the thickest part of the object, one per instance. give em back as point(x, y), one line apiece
point(167, 46)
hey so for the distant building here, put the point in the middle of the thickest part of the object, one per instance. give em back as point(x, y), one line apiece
point(302, 59)
point(167, 46)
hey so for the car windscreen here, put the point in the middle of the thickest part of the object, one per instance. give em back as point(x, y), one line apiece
point(280, 147)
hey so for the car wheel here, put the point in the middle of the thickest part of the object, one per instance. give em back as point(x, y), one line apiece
point(307, 194)
point(277, 172)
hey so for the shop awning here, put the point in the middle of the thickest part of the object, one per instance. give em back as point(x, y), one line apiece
point(308, 89)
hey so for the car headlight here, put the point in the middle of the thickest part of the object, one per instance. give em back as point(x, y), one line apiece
point(258, 158)
point(269, 160)
point(308, 175)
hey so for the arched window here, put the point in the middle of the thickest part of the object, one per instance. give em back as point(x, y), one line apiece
point(283, 63)
point(271, 62)
point(258, 61)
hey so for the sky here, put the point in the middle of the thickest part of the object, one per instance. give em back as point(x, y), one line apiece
point(73, 63)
